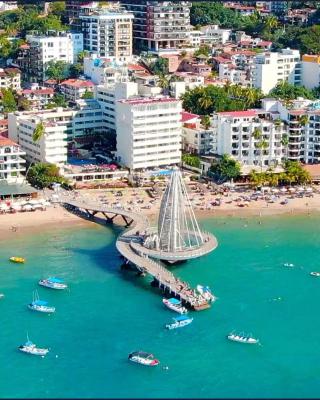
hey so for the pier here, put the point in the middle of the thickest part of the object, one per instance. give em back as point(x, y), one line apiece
point(178, 243)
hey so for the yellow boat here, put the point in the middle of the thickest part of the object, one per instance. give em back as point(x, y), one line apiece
point(17, 260)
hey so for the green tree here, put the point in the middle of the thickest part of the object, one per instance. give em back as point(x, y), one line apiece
point(38, 132)
point(24, 104)
point(164, 82)
point(206, 121)
point(58, 100)
point(203, 50)
point(160, 66)
point(287, 91)
point(303, 120)
point(191, 159)
point(271, 23)
point(9, 103)
point(285, 144)
point(58, 70)
point(42, 175)
point(226, 168)
point(87, 95)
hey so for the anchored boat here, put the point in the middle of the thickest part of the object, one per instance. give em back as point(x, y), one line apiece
point(53, 283)
point(40, 305)
point(31, 348)
point(242, 338)
point(179, 322)
point(175, 305)
point(315, 273)
point(143, 358)
point(288, 265)
point(206, 293)
point(19, 260)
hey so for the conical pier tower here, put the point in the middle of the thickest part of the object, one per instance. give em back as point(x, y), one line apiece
point(178, 236)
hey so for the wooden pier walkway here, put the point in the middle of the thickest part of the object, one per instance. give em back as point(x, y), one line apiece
point(128, 245)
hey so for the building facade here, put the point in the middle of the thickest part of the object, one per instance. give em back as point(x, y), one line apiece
point(271, 68)
point(249, 137)
point(149, 132)
point(310, 71)
point(34, 58)
point(75, 8)
point(75, 89)
point(108, 33)
point(12, 165)
point(159, 25)
point(10, 78)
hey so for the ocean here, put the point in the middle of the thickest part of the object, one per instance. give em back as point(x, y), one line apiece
point(107, 312)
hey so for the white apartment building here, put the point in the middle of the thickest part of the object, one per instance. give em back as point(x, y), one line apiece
point(61, 46)
point(195, 38)
point(234, 75)
point(271, 68)
point(310, 71)
point(8, 5)
point(62, 126)
point(11, 162)
point(108, 33)
point(212, 35)
point(102, 71)
point(235, 132)
point(148, 132)
point(189, 81)
point(10, 78)
point(74, 89)
point(195, 138)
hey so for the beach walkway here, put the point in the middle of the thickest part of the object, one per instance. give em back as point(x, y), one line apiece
point(128, 244)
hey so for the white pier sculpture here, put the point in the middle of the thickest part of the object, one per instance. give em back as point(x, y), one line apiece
point(178, 236)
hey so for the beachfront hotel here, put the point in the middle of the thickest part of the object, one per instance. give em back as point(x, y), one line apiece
point(241, 134)
point(62, 126)
point(12, 165)
point(149, 132)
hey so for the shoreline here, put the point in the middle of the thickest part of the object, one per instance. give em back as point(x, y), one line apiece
point(56, 217)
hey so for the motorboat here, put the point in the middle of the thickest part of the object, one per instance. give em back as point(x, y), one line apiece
point(175, 305)
point(40, 305)
point(206, 293)
point(179, 322)
point(315, 273)
point(1, 295)
point(288, 265)
point(19, 260)
point(143, 358)
point(31, 348)
point(242, 338)
point(53, 283)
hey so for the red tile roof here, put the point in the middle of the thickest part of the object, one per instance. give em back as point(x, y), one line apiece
point(148, 101)
point(247, 113)
point(135, 67)
point(38, 91)
point(3, 122)
point(6, 142)
point(186, 116)
point(79, 83)
point(264, 43)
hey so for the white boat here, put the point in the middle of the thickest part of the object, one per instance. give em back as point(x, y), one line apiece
point(206, 293)
point(179, 322)
point(143, 358)
point(242, 338)
point(315, 273)
point(40, 305)
point(1, 295)
point(288, 265)
point(175, 305)
point(31, 348)
point(53, 283)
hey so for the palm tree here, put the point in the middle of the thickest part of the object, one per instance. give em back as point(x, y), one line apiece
point(205, 121)
point(205, 102)
point(285, 143)
point(303, 120)
point(38, 132)
point(262, 145)
point(271, 23)
point(164, 82)
point(257, 133)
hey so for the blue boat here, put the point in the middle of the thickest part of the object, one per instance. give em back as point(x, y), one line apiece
point(53, 283)
point(175, 305)
point(179, 322)
point(40, 305)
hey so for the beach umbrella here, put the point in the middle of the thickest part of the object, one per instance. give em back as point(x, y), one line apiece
point(283, 190)
point(275, 190)
point(309, 189)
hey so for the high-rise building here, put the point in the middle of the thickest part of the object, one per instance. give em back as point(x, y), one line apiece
point(41, 49)
point(75, 8)
point(11, 162)
point(159, 25)
point(108, 33)
point(149, 132)
point(271, 68)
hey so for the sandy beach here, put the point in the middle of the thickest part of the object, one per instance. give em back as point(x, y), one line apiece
point(56, 217)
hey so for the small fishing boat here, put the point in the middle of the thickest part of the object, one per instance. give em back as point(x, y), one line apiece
point(19, 260)
point(315, 273)
point(288, 265)
point(143, 358)
point(179, 322)
point(175, 305)
point(206, 293)
point(31, 348)
point(242, 338)
point(1, 295)
point(53, 283)
point(40, 305)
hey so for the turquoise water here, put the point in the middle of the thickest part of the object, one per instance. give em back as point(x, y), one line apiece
point(107, 313)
